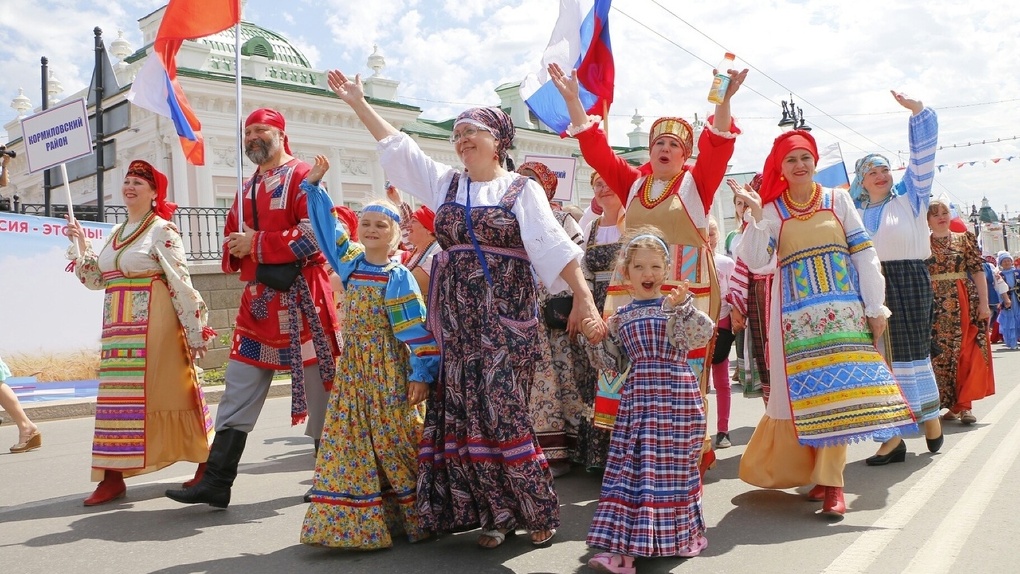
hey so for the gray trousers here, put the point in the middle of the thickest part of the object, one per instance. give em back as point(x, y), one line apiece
point(246, 389)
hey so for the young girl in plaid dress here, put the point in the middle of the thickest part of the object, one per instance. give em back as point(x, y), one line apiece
point(650, 504)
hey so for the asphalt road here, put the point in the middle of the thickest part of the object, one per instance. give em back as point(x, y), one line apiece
point(956, 511)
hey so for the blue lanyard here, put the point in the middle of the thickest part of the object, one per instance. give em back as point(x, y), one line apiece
point(471, 234)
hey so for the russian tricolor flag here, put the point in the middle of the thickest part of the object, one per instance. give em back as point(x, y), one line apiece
point(155, 87)
point(831, 171)
point(580, 40)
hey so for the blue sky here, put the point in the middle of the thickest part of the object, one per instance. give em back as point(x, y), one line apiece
point(838, 58)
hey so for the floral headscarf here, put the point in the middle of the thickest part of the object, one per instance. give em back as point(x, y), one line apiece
point(496, 122)
point(546, 178)
point(863, 166)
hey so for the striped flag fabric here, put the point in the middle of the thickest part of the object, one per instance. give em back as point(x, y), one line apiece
point(155, 87)
point(831, 171)
point(580, 40)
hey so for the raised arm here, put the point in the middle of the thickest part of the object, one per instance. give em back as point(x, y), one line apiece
point(617, 173)
point(353, 94)
point(923, 132)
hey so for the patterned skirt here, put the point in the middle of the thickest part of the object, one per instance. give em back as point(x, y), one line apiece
point(150, 411)
point(650, 503)
point(907, 341)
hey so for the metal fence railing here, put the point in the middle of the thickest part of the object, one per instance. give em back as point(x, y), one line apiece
point(201, 227)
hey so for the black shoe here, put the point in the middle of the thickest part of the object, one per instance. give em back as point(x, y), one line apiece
point(898, 454)
point(220, 472)
point(308, 495)
point(934, 444)
point(315, 452)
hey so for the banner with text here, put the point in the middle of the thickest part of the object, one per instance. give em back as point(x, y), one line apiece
point(564, 168)
point(57, 135)
point(46, 313)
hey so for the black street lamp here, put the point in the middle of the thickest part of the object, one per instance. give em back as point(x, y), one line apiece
point(975, 219)
point(793, 117)
point(1005, 234)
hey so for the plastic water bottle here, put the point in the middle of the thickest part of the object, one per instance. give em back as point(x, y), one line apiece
point(722, 80)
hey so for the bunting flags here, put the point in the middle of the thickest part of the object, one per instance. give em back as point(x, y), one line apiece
point(969, 163)
point(156, 88)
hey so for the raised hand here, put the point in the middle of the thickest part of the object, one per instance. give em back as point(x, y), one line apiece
point(318, 170)
point(347, 90)
point(736, 79)
point(567, 85)
point(915, 106)
point(393, 194)
point(678, 294)
point(750, 198)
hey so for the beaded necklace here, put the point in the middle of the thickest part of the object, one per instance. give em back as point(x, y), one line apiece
point(646, 192)
point(803, 211)
point(119, 241)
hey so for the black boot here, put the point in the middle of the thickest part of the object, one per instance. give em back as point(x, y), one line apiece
point(220, 472)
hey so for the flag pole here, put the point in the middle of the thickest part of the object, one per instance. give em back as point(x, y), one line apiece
point(605, 118)
point(238, 125)
point(843, 161)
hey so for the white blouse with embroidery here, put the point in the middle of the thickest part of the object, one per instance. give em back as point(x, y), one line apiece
point(547, 244)
point(160, 251)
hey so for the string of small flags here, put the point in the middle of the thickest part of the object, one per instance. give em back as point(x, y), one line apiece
point(970, 163)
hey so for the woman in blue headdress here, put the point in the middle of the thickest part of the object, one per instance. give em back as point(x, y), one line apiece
point(895, 216)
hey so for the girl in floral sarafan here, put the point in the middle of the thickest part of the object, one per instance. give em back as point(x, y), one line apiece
point(366, 469)
point(650, 504)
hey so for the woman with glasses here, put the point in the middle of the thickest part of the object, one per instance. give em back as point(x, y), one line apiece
point(480, 463)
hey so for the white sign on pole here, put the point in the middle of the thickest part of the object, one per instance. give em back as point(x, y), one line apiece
point(57, 135)
point(564, 168)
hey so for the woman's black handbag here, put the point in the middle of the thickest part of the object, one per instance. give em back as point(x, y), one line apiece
point(556, 310)
point(278, 276)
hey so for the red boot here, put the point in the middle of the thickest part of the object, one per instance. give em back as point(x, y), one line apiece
point(834, 504)
point(198, 476)
point(816, 494)
point(111, 488)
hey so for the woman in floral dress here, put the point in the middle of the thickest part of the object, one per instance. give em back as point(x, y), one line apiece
point(150, 412)
point(961, 354)
point(480, 463)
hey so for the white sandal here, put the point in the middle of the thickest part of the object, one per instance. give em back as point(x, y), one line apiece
point(497, 535)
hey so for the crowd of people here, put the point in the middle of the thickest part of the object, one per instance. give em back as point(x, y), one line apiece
point(450, 361)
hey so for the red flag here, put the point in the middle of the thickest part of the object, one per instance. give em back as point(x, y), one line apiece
point(182, 20)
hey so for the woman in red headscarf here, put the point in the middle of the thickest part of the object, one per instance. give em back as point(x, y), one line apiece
point(150, 412)
point(830, 386)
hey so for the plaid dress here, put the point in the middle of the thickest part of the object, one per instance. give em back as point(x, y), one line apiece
point(650, 503)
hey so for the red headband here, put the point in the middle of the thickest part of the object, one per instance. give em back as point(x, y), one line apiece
point(270, 117)
point(350, 220)
point(144, 170)
point(773, 184)
point(426, 218)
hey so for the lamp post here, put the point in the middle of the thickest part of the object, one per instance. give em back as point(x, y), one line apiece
point(1005, 233)
point(793, 117)
point(975, 220)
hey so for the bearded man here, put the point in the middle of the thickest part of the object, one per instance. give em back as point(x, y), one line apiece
point(286, 320)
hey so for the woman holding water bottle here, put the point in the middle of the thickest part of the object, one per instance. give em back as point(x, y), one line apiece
point(667, 194)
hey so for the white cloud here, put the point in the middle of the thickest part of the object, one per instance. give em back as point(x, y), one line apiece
point(839, 59)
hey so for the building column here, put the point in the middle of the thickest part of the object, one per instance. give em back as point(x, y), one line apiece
point(333, 178)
